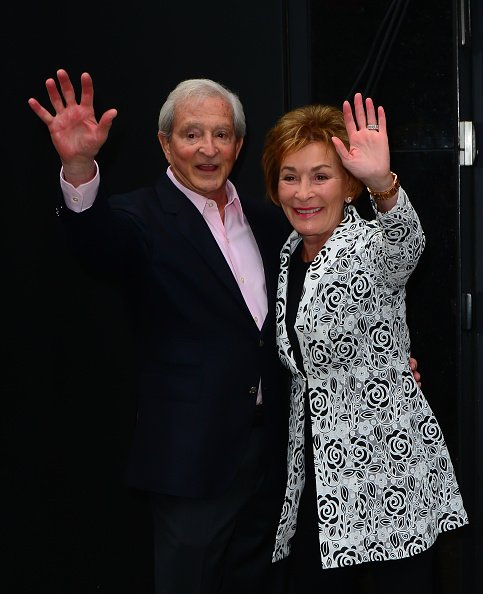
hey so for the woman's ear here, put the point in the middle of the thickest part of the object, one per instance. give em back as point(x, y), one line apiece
point(354, 187)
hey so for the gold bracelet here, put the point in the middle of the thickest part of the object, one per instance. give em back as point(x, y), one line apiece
point(389, 193)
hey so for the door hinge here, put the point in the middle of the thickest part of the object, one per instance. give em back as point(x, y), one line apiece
point(467, 143)
point(466, 311)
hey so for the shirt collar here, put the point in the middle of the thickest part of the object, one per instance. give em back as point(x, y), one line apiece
point(200, 201)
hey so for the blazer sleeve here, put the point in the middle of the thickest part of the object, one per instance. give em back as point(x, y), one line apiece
point(403, 240)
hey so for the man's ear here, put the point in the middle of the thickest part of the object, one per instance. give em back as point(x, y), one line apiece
point(238, 145)
point(164, 142)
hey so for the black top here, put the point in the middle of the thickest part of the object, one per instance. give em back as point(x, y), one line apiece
point(297, 271)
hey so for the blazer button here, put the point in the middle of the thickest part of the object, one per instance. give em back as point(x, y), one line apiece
point(253, 390)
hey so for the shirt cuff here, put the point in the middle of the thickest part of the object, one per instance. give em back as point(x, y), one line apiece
point(80, 198)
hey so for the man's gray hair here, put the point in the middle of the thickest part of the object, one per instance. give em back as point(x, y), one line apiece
point(200, 88)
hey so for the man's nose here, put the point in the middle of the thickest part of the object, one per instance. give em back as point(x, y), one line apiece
point(208, 146)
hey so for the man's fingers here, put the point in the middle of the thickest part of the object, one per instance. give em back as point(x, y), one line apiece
point(40, 111)
point(87, 95)
point(66, 87)
point(54, 95)
point(106, 120)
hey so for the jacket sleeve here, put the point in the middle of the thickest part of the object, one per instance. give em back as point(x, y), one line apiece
point(402, 240)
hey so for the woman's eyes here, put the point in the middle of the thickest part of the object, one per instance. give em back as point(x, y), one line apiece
point(320, 177)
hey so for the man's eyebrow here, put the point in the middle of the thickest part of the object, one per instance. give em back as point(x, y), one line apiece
point(191, 124)
point(196, 124)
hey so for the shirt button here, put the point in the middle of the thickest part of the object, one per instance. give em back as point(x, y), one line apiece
point(242, 279)
point(75, 199)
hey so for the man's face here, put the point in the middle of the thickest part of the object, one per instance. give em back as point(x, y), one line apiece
point(203, 149)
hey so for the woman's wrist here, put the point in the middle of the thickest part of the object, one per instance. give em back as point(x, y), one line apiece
point(388, 192)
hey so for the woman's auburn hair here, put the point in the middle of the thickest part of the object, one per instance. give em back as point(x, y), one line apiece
point(295, 130)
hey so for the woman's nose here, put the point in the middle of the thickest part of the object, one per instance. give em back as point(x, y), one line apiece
point(304, 190)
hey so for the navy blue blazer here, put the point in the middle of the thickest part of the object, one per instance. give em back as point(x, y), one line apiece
point(201, 355)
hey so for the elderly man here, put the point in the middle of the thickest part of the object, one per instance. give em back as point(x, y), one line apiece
point(200, 269)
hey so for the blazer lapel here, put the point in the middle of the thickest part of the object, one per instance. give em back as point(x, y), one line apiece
point(285, 348)
point(346, 239)
point(194, 229)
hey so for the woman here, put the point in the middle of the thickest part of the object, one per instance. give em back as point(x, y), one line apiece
point(369, 475)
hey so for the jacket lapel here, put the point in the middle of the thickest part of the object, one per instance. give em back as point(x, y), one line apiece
point(346, 239)
point(195, 231)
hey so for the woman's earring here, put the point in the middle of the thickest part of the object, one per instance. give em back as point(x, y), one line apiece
point(348, 199)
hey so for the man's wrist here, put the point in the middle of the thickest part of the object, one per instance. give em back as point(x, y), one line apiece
point(79, 173)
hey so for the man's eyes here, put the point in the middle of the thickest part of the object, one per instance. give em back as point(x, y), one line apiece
point(194, 135)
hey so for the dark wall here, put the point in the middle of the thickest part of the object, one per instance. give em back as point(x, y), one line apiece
point(70, 526)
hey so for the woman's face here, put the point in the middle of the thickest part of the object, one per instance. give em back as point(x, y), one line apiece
point(312, 188)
